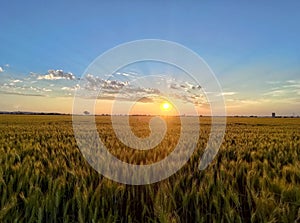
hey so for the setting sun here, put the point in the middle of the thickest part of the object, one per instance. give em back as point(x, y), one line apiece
point(166, 106)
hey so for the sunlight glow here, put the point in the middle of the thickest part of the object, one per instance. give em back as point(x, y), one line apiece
point(166, 106)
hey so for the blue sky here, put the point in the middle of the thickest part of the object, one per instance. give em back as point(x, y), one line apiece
point(252, 47)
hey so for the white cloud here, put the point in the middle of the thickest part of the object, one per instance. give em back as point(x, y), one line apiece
point(57, 75)
point(73, 88)
point(46, 89)
point(96, 83)
point(2, 68)
point(251, 102)
point(126, 74)
point(275, 93)
point(183, 85)
point(36, 83)
point(286, 88)
point(22, 94)
point(291, 81)
point(17, 81)
point(110, 89)
point(230, 93)
point(66, 88)
point(116, 87)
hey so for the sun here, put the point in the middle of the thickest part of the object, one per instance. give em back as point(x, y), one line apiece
point(166, 106)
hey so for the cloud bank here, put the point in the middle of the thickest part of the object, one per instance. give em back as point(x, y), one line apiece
point(57, 75)
point(96, 87)
point(123, 86)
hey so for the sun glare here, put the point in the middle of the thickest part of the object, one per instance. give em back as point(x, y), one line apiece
point(166, 106)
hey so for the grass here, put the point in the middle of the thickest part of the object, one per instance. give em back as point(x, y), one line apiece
point(255, 177)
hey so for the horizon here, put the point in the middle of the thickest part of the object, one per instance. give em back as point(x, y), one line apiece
point(147, 115)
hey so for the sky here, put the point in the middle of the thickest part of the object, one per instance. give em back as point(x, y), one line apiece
point(252, 47)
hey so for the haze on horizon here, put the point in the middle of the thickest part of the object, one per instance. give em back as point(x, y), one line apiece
point(253, 49)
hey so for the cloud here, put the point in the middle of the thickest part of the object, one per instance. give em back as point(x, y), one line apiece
point(291, 81)
point(96, 87)
point(115, 87)
point(57, 75)
point(38, 85)
point(126, 74)
point(23, 87)
point(92, 83)
point(240, 102)
point(1, 70)
point(124, 98)
point(146, 100)
point(46, 89)
point(183, 85)
point(285, 89)
point(72, 88)
point(17, 81)
point(22, 94)
point(275, 93)
point(284, 92)
point(228, 93)
point(96, 83)
point(293, 85)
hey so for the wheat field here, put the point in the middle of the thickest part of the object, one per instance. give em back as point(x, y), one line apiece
point(255, 177)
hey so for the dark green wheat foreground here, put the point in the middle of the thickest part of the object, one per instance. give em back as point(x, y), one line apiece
point(255, 177)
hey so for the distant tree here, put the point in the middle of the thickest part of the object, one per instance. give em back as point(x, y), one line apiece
point(86, 113)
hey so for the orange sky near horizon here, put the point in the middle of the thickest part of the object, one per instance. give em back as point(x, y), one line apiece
point(65, 104)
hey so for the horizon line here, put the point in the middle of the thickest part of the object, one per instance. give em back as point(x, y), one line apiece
point(149, 115)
